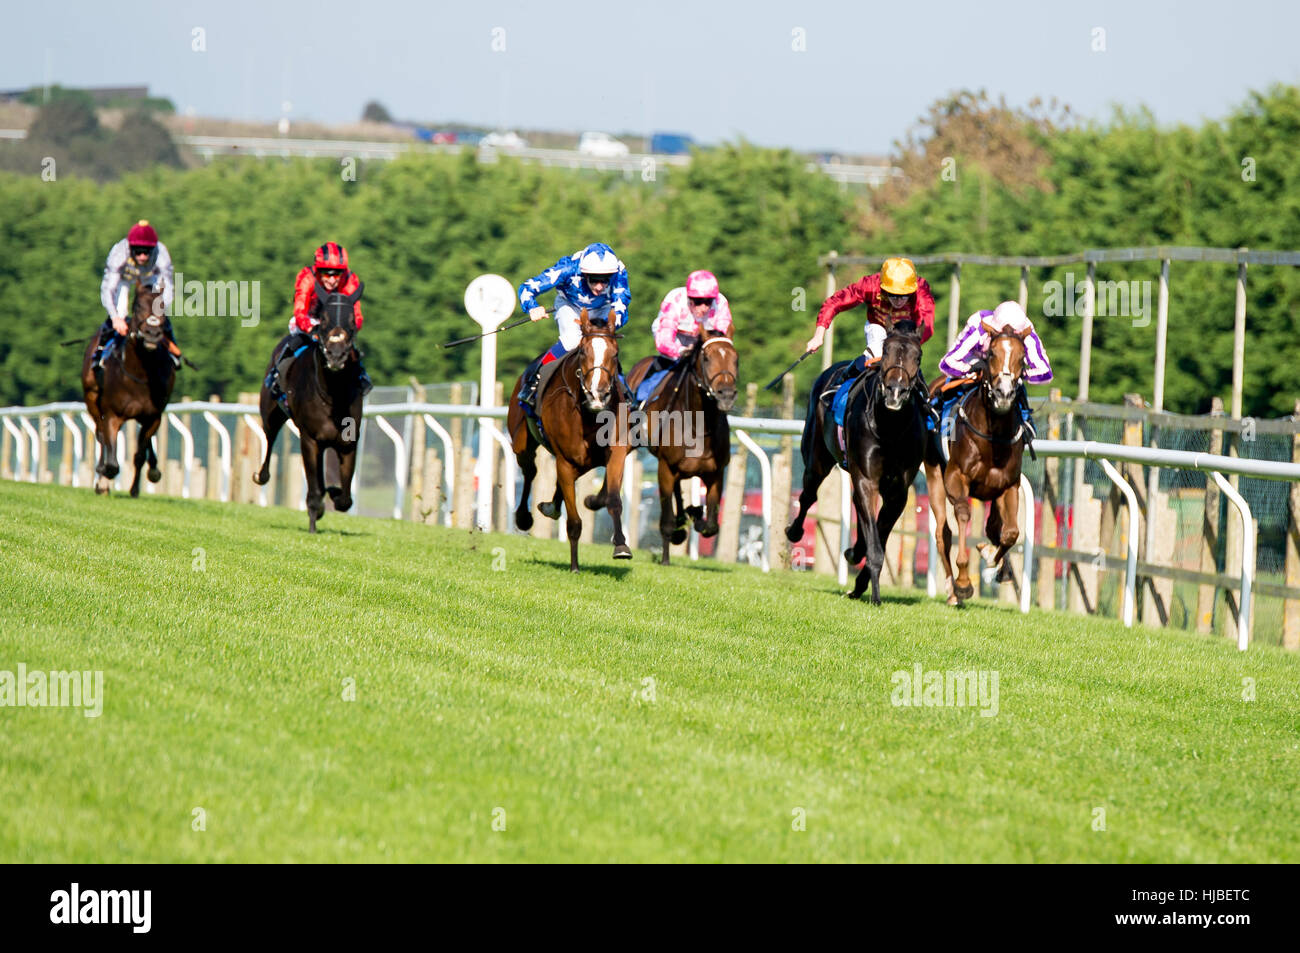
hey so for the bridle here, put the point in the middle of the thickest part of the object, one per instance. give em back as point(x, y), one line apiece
point(709, 384)
point(589, 396)
point(987, 380)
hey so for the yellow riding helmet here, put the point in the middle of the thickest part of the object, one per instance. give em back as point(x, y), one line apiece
point(898, 276)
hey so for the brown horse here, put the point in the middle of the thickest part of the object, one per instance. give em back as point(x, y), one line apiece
point(578, 407)
point(987, 442)
point(884, 437)
point(693, 400)
point(135, 383)
point(325, 401)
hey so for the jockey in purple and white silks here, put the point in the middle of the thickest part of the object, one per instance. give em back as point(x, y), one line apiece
point(972, 346)
point(591, 278)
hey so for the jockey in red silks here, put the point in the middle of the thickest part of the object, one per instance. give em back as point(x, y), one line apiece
point(686, 313)
point(330, 268)
point(896, 294)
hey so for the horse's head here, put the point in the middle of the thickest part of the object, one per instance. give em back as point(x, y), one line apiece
point(1004, 367)
point(597, 363)
point(338, 327)
point(900, 364)
point(716, 366)
point(147, 318)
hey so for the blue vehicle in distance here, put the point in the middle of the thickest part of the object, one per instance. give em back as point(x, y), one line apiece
point(671, 143)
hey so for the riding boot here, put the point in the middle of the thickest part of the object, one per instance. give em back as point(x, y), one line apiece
point(528, 389)
point(279, 375)
point(1026, 414)
point(367, 385)
point(174, 349)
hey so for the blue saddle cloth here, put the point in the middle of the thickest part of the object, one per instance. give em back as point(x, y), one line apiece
point(840, 402)
point(648, 386)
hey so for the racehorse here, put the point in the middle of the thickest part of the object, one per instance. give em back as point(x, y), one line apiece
point(693, 399)
point(986, 444)
point(135, 383)
point(325, 400)
point(884, 443)
point(576, 404)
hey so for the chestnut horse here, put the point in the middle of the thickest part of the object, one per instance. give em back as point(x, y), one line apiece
point(986, 444)
point(135, 383)
point(324, 387)
point(579, 408)
point(694, 399)
point(884, 437)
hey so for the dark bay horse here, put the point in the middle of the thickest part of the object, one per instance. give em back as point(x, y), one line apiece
point(579, 410)
point(884, 437)
point(986, 444)
point(685, 426)
point(324, 387)
point(135, 383)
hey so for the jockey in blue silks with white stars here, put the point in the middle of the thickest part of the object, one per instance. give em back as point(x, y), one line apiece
point(592, 279)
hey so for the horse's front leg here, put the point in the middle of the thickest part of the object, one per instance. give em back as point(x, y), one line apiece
point(311, 468)
point(613, 493)
point(106, 434)
point(866, 492)
point(667, 518)
point(942, 539)
point(144, 451)
point(342, 494)
point(958, 490)
point(1007, 508)
point(708, 525)
point(566, 476)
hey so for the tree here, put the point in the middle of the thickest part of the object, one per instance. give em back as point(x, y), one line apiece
point(375, 112)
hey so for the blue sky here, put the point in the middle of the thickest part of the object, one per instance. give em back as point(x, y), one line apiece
point(715, 70)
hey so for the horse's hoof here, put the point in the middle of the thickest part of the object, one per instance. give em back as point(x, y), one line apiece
point(343, 503)
point(154, 474)
point(954, 601)
point(549, 510)
point(709, 530)
point(853, 557)
point(523, 520)
point(621, 551)
point(261, 477)
point(592, 501)
point(678, 537)
point(852, 595)
point(794, 532)
point(135, 491)
point(964, 592)
point(101, 485)
point(695, 512)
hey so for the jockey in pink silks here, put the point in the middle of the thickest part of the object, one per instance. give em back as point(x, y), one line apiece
point(686, 313)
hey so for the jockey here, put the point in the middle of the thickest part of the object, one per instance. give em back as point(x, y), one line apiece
point(972, 346)
point(138, 257)
point(330, 268)
point(895, 294)
point(686, 313)
point(591, 278)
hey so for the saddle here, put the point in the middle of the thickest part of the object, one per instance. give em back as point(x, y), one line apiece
point(531, 417)
point(843, 387)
